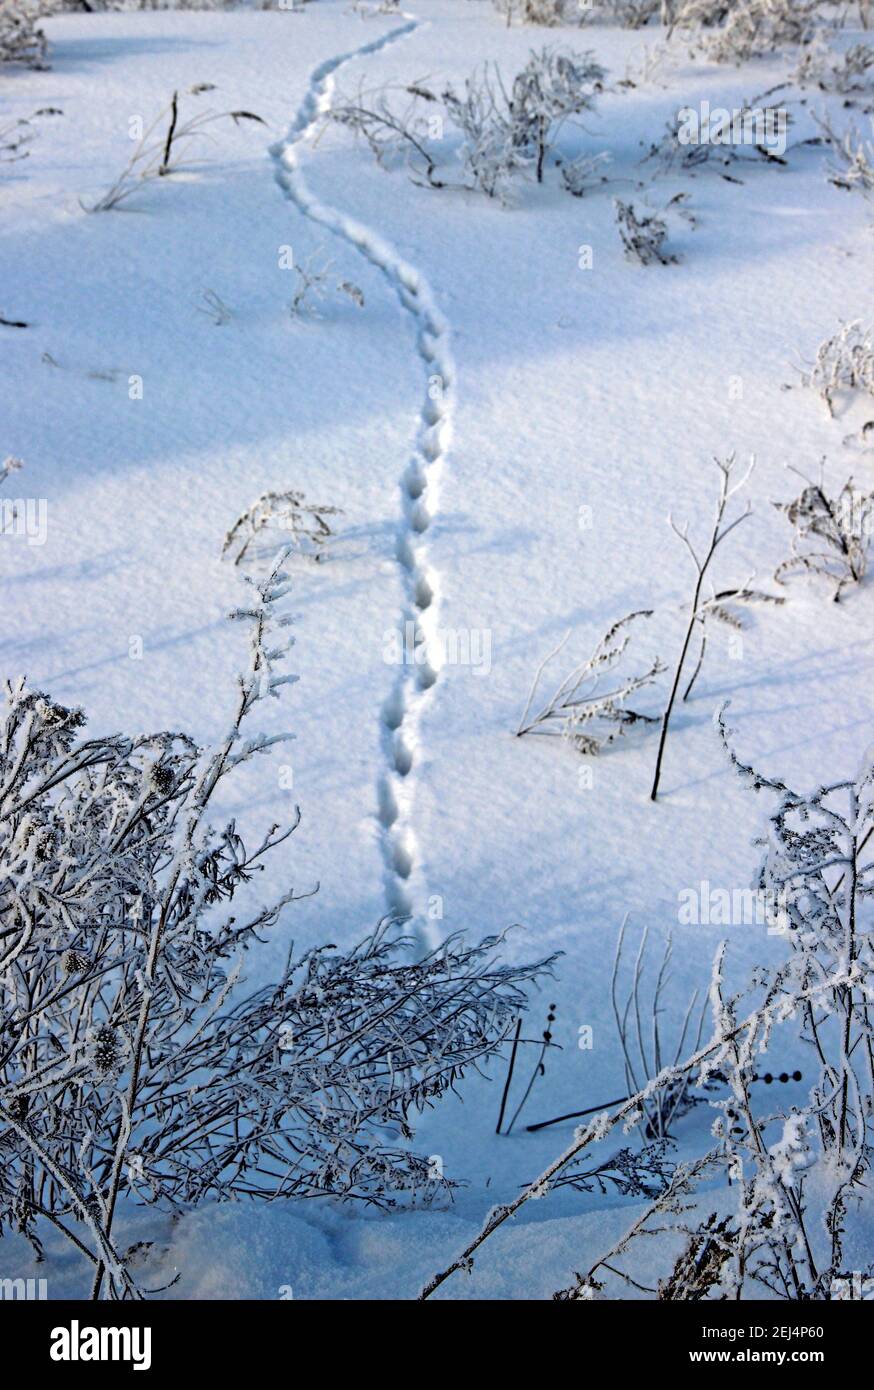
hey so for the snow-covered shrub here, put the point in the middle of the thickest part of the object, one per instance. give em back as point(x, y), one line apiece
point(394, 126)
point(795, 1171)
point(90, 6)
point(847, 72)
point(852, 157)
point(503, 131)
point(304, 525)
point(554, 85)
point(693, 14)
point(547, 13)
point(643, 235)
point(750, 133)
point(579, 709)
point(491, 154)
point(629, 14)
point(583, 173)
point(831, 535)
point(132, 1065)
point(844, 362)
point(315, 283)
point(744, 29)
point(21, 38)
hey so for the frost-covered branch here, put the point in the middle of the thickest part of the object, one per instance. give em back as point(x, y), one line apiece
point(580, 709)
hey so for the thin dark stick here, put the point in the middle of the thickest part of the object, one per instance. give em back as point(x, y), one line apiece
point(539, 1069)
point(700, 663)
point(171, 131)
point(576, 1114)
point(509, 1076)
point(593, 1109)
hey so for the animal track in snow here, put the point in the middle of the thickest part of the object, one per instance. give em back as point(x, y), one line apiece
point(401, 714)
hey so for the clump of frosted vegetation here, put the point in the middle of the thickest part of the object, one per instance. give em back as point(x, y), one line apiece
point(844, 362)
point(308, 526)
point(748, 134)
point(501, 131)
point(845, 73)
point(628, 14)
point(643, 235)
point(547, 13)
point(831, 534)
point(316, 283)
point(88, 6)
point(133, 1065)
point(585, 172)
point(490, 155)
point(504, 133)
point(589, 707)
point(21, 38)
point(851, 162)
point(553, 86)
point(744, 29)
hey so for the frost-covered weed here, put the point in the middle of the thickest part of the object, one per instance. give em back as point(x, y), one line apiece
point(629, 14)
point(132, 1065)
point(503, 131)
point(491, 154)
point(21, 38)
point(584, 173)
point(831, 534)
point(690, 141)
point(315, 283)
point(851, 165)
point(161, 151)
point(553, 86)
point(301, 524)
point(547, 13)
point(844, 362)
point(639, 1027)
point(745, 29)
point(849, 72)
point(707, 605)
point(396, 123)
point(643, 235)
point(580, 710)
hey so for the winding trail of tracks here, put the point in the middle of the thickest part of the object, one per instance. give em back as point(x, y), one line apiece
point(406, 890)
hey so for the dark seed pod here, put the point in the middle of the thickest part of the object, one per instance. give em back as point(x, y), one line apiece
point(105, 1049)
point(73, 962)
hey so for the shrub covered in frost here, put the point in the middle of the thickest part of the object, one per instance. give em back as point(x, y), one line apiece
point(131, 1063)
point(744, 29)
point(553, 86)
point(504, 129)
point(22, 40)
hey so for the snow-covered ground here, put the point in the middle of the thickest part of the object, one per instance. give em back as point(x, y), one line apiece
point(581, 406)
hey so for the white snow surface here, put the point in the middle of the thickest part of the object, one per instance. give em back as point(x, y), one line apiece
point(609, 388)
